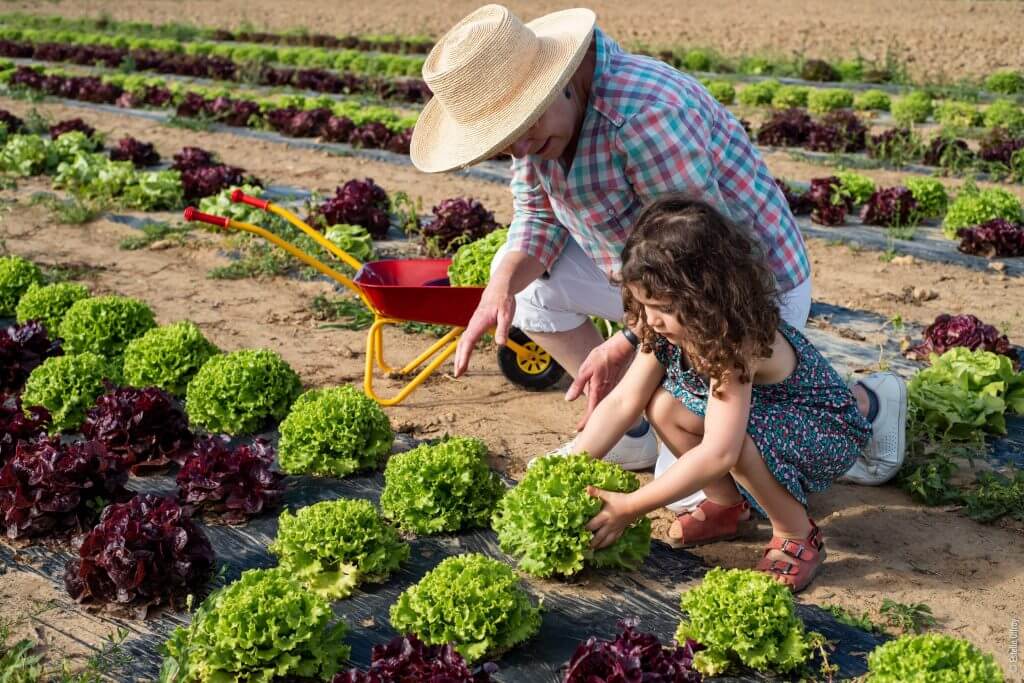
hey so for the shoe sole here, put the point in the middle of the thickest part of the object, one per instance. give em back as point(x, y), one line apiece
point(634, 465)
point(744, 528)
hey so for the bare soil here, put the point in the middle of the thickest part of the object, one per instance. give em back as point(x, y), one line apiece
point(881, 545)
point(936, 39)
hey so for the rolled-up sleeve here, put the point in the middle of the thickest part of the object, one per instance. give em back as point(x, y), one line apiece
point(667, 149)
point(534, 229)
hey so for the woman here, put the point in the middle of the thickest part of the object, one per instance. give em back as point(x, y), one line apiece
point(595, 133)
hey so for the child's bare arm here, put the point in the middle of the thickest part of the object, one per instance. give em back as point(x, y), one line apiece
point(725, 425)
point(621, 407)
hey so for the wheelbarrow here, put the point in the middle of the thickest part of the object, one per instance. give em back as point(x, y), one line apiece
point(399, 291)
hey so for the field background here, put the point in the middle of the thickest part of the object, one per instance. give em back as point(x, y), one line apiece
point(881, 544)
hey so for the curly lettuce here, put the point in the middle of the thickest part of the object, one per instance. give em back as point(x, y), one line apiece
point(542, 521)
point(334, 432)
point(441, 487)
point(471, 601)
point(743, 617)
point(261, 628)
point(333, 546)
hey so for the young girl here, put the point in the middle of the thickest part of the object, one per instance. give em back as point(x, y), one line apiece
point(751, 410)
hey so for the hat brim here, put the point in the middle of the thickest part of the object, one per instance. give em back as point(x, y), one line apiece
point(439, 143)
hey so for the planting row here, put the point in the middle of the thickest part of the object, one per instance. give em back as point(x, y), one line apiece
point(473, 603)
point(987, 222)
point(219, 68)
point(858, 70)
point(1000, 155)
point(184, 33)
point(73, 155)
point(346, 61)
point(917, 107)
point(361, 126)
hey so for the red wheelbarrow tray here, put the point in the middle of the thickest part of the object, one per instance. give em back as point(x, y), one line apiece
point(417, 290)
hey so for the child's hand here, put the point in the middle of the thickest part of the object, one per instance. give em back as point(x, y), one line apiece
point(612, 520)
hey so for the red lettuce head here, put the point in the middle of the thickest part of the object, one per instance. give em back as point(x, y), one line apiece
point(143, 553)
point(22, 349)
point(50, 488)
point(406, 658)
point(145, 428)
point(230, 484)
point(949, 331)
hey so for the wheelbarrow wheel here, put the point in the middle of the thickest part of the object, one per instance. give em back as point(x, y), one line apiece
point(535, 371)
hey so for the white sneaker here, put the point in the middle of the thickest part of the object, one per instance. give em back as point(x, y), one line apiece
point(884, 454)
point(630, 453)
point(665, 460)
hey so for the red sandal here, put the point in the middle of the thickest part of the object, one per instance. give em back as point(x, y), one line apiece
point(806, 555)
point(720, 523)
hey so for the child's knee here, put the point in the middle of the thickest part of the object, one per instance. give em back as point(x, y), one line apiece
point(666, 412)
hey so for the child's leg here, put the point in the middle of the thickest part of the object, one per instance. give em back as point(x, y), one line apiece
point(795, 553)
point(787, 515)
point(683, 430)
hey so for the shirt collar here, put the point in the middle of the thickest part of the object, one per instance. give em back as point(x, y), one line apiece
point(605, 49)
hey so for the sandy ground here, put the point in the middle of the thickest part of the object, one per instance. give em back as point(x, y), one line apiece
point(881, 545)
point(938, 39)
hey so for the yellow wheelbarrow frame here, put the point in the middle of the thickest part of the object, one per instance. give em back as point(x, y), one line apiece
point(528, 356)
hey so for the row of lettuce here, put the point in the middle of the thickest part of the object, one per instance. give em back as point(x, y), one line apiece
point(360, 76)
point(915, 107)
point(219, 68)
point(1008, 82)
point(114, 376)
point(184, 33)
point(1001, 155)
point(346, 61)
point(987, 222)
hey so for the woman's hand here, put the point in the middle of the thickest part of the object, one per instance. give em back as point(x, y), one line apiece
point(496, 309)
point(613, 518)
point(599, 373)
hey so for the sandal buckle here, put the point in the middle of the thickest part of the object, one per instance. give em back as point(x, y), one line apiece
point(800, 548)
point(782, 567)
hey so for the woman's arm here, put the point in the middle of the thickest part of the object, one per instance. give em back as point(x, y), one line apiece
point(621, 407)
point(725, 427)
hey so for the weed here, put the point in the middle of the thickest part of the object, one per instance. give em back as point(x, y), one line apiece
point(862, 621)
point(62, 272)
point(36, 123)
point(70, 211)
point(916, 617)
point(197, 124)
point(351, 310)
point(996, 496)
point(154, 232)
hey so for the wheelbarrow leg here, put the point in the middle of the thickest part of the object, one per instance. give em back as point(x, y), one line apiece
point(441, 350)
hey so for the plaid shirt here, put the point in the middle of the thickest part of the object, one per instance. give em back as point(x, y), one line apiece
point(648, 130)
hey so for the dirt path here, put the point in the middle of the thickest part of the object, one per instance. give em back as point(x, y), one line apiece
point(936, 38)
point(880, 544)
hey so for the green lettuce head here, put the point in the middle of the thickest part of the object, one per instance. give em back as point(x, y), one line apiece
point(442, 487)
point(50, 303)
point(333, 546)
point(16, 276)
point(237, 392)
point(104, 325)
point(263, 627)
point(168, 357)
point(543, 520)
point(743, 617)
point(471, 601)
point(334, 432)
point(67, 386)
point(931, 657)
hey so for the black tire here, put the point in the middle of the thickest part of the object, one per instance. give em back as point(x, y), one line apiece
point(534, 374)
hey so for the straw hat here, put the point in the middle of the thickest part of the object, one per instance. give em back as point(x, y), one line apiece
point(492, 78)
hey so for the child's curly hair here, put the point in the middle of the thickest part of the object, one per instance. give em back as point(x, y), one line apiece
point(713, 272)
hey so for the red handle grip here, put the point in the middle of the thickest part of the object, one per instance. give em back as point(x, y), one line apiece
point(238, 196)
point(194, 214)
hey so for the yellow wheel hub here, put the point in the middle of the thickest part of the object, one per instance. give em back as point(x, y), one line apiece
point(535, 361)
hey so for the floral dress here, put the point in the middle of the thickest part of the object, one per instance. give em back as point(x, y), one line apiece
point(807, 427)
